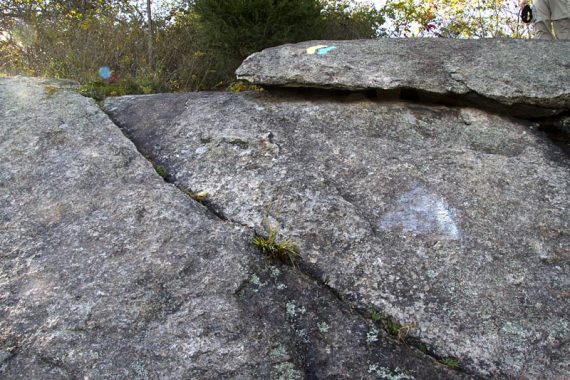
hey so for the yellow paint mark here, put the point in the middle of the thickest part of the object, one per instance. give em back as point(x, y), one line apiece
point(313, 49)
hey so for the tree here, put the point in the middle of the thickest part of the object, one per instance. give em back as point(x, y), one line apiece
point(64, 38)
point(453, 19)
point(347, 20)
point(241, 27)
point(150, 28)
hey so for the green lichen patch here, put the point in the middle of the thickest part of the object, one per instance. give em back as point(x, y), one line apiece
point(275, 272)
point(285, 371)
point(323, 327)
point(388, 374)
point(293, 310)
point(256, 281)
point(372, 335)
point(279, 352)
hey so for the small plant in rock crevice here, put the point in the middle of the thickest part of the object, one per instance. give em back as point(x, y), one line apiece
point(161, 170)
point(198, 196)
point(274, 248)
point(450, 362)
point(51, 90)
point(391, 326)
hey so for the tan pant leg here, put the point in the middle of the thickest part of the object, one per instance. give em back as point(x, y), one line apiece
point(541, 30)
point(562, 28)
point(541, 27)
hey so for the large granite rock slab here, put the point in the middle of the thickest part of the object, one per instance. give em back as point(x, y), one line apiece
point(108, 272)
point(452, 221)
point(532, 77)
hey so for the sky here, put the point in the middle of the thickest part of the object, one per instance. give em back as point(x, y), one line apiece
point(377, 3)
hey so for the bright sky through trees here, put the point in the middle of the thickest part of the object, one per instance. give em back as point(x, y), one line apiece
point(377, 3)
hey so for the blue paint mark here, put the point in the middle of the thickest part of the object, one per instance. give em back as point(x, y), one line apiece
point(325, 50)
point(105, 72)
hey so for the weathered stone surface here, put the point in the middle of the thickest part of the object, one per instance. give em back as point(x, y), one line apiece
point(532, 77)
point(108, 272)
point(451, 220)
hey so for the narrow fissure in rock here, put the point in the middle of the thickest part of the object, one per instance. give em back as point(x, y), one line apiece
point(381, 195)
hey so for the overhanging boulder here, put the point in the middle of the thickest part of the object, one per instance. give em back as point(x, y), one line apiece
point(525, 78)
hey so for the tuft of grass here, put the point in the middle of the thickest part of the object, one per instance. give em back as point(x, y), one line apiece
point(376, 316)
point(99, 90)
point(451, 362)
point(277, 249)
point(422, 347)
point(198, 196)
point(405, 330)
point(240, 86)
point(161, 170)
point(51, 90)
point(391, 326)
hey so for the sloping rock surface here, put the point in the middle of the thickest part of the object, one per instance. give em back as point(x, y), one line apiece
point(531, 77)
point(108, 272)
point(453, 221)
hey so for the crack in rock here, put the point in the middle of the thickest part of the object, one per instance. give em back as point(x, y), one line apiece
point(446, 200)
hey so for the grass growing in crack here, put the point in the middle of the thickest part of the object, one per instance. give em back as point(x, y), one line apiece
point(391, 326)
point(402, 331)
point(422, 347)
point(450, 362)
point(277, 249)
point(376, 316)
point(198, 196)
point(161, 170)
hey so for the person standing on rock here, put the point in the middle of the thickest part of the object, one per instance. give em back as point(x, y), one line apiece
point(547, 13)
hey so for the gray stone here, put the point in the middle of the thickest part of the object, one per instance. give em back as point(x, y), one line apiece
point(531, 77)
point(453, 221)
point(108, 272)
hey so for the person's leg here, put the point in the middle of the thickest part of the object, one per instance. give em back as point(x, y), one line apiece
point(541, 27)
point(541, 30)
point(559, 9)
point(562, 29)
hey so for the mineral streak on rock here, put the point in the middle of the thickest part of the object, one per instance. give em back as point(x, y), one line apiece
point(108, 272)
point(480, 71)
point(451, 220)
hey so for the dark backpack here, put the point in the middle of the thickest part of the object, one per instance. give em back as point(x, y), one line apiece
point(526, 14)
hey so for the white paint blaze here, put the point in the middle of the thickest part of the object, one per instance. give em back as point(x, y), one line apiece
point(423, 213)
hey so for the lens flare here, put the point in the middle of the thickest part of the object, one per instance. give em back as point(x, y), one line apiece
point(105, 72)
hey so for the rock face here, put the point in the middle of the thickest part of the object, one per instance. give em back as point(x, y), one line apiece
point(109, 272)
point(452, 221)
point(428, 234)
point(507, 72)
